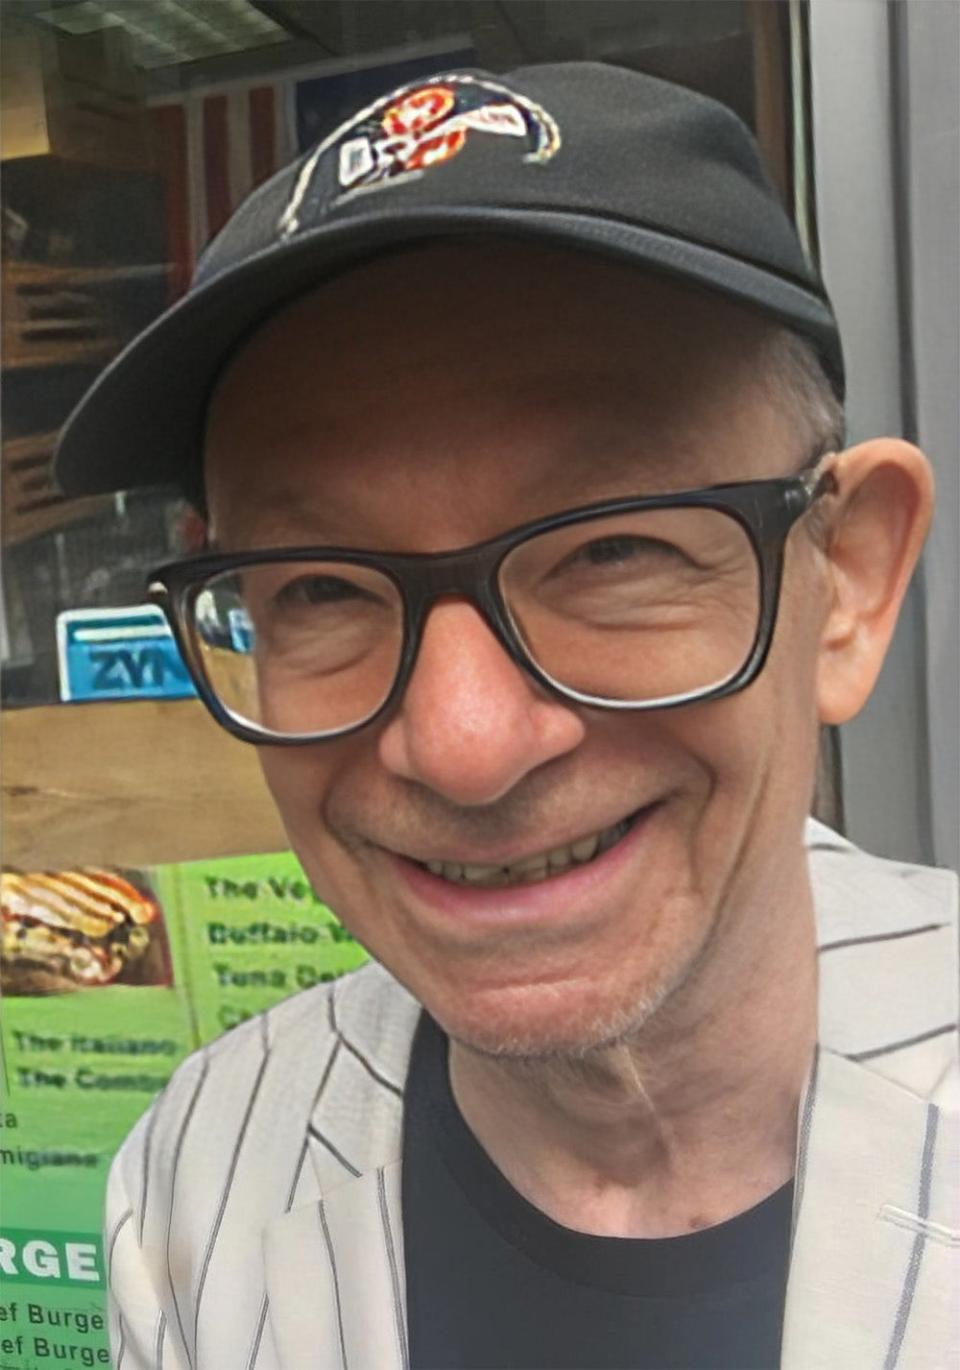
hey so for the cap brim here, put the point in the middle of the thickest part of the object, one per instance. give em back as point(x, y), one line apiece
point(141, 424)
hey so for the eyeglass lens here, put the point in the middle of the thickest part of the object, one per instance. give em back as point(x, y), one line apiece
point(637, 607)
point(627, 608)
point(300, 647)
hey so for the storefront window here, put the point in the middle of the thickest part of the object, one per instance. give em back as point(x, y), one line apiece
point(149, 901)
point(130, 132)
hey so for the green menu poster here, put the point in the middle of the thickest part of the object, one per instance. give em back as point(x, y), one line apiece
point(109, 980)
point(252, 932)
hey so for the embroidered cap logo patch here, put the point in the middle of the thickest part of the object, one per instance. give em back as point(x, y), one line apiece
point(430, 124)
point(420, 126)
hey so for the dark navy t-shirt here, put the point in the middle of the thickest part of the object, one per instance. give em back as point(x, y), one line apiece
point(493, 1282)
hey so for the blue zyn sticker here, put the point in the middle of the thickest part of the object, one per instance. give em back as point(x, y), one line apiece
point(119, 654)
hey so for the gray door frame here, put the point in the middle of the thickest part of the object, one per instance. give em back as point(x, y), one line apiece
point(886, 152)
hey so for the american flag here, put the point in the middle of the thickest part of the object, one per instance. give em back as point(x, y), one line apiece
point(216, 145)
point(214, 148)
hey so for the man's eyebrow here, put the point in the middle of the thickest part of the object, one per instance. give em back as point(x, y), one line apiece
point(290, 527)
point(585, 472)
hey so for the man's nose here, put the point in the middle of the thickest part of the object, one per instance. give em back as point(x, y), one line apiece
point(472, 723)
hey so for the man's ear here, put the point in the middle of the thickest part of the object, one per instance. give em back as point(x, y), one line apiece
point(876, 522)
point(194, 530)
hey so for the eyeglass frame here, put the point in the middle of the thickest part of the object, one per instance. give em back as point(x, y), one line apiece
point(766, 510)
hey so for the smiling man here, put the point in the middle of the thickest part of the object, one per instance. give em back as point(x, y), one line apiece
point(536, 563)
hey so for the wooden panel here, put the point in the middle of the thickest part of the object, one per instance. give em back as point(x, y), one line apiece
point(138, 783)
point(31, 503)
point(52, 316)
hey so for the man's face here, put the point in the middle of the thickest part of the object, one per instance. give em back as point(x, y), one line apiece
point(433, 400)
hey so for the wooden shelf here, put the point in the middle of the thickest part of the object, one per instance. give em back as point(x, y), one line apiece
point(31, 503)
point(53, 317)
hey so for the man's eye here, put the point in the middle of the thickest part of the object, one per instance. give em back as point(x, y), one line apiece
point(619, 548)
point(313, 590)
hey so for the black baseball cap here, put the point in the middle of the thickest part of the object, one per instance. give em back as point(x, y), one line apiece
point(578, 155)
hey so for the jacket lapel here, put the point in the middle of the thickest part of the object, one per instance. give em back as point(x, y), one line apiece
point(872, 1196)
point(875, 1220)
point(335, 1277)
point(335, 1281)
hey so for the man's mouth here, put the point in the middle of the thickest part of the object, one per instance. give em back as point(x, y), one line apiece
point(531, 870)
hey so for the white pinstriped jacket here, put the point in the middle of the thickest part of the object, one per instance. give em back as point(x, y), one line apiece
point(254, 1213)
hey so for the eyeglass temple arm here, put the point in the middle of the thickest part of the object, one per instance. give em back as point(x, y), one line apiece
point(817, 476)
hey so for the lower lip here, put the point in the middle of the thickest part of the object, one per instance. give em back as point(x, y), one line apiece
point(544, 901)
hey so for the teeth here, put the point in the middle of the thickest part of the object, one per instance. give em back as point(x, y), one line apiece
point(530, 876)
point(481, 875)
point(614, 834)
point(532, 868)
point(585, 849)
point(534, 865)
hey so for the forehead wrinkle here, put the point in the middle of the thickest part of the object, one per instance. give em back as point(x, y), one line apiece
point(335, 445)
point(393, 506)
point(286, 518)
point(291, 527)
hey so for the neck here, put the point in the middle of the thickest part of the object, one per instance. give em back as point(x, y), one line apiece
point(685, 1124)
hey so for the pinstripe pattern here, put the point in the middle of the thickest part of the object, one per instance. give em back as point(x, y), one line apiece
point(121, 1222)
point(916, 1254)
point(267, 1177)
point(890, 1047)
point(159, 1340)
point(324, 1078)
point(118, 1227)
point(173, 1188)
point(399, 1309)
point(298, 1169)
point(337, 1155)
point(355, 1051)
point(371, 1070)
point(258, 1334)
point(336, 1283)
point(331, 1061)
point(803, 1139)
point(145, 1178)
point(910, 1222)
point(265, 1303)
point(879, 937)
point(234, 1158)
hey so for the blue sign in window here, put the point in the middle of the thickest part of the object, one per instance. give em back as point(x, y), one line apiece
point(119, 654)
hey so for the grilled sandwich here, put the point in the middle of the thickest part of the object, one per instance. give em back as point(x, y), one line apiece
point(80, 926)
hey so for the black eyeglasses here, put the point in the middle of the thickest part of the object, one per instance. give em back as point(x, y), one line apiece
point(640, 603)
